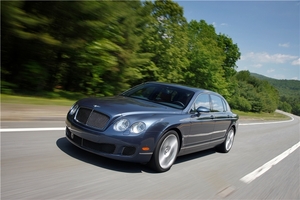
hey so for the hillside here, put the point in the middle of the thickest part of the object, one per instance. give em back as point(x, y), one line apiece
point(288, 88)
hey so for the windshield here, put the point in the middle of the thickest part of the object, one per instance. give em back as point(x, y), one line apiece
point(167, 95)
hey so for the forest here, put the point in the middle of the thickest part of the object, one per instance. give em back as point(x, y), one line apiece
point(101, 48)
point(289, 93)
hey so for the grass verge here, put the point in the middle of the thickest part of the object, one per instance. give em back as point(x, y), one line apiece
point(261, 116)
point(11, 99)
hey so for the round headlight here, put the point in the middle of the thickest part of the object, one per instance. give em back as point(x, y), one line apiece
point(138, 127)
point(73, 109)
point(121, 125)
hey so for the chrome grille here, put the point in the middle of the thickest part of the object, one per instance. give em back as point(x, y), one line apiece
point(83, 115)
point(92, 118)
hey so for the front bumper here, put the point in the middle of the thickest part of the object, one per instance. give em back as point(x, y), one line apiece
point(121, 148)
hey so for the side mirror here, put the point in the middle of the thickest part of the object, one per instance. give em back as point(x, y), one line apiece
point(202, 109)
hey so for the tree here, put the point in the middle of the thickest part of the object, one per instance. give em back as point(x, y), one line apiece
point(206, 59)
point(24, 41)
point(166, 40)
point(79, 46)
point(232, 55)
point(285, 106)
point(261, 96)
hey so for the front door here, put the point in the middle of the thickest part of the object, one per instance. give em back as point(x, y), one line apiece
point(202, 124)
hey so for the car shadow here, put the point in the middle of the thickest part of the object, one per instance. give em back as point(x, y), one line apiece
point(64, 145)
point(193, 156)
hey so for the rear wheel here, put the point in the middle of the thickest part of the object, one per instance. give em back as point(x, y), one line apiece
point(227, 144)
point(165, 152)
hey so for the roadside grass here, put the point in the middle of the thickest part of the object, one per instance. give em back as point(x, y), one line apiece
point(56, 98)
point(261, 116)
point(68, 99)
point(11, 99)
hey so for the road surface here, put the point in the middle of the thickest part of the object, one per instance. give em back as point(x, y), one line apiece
point(37, 162)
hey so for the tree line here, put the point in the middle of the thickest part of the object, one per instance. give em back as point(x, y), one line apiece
point(101, 48)
point(289, 93)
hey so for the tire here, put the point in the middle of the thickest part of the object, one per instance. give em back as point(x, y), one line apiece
point(226, 146)
point(165, 152)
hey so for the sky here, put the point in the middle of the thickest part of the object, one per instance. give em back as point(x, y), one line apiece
point(266, 32)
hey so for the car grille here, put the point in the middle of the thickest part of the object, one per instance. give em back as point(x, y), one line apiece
point(92, 118)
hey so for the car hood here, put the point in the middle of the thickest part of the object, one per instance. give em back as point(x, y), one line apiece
point(125, 105)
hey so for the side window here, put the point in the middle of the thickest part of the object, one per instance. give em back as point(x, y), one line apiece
point(217, 104)
point(202, 100)
point(225, 106)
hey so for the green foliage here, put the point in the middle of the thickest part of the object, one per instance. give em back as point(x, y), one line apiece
point(289, 92)
point(212, 59)
point(166, 39)
point(100, 48)
point(36, 80)
point(241, 103)
point(254, 95)
point(285, 106)
point(7, 88)
point(296, 109)
point(288, 88)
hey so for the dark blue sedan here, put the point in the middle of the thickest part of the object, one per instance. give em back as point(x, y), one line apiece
point(152, 123)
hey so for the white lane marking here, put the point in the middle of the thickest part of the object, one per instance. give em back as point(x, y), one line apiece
point(264, 168)
point(260, 123)
point(30, 129)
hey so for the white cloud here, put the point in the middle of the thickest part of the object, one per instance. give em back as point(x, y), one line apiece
point(296, 62)
point(257, 65)
point(217, 25)
point(268, 58)
point(286, 45)
point(270, 71)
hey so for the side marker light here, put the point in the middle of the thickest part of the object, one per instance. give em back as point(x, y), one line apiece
point(145, 148)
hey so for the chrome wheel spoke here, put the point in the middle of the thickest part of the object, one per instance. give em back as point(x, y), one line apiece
point(229, 140)
point(168, 151)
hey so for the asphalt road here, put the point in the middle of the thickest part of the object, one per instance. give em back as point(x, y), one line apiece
point(42, 164)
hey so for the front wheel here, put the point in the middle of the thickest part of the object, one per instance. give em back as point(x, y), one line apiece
point(227, 144)
point(165, 152)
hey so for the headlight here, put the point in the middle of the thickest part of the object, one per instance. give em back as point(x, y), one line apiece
point(138, 127)
point(121, 125)
point(73, 109)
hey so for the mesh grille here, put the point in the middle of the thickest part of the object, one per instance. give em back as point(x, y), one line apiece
point(92, 118)
point(97, 120)
point(83, 115)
